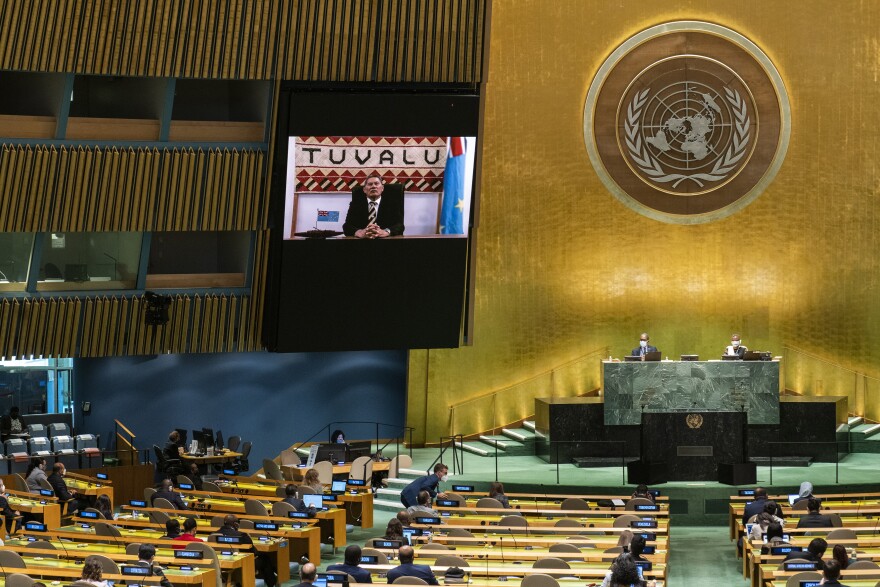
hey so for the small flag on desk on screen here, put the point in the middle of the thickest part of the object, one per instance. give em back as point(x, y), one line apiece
point(452, 209)
point(328, 215)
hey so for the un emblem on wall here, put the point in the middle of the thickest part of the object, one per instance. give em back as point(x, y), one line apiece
point(694, 421)
point(687, 122)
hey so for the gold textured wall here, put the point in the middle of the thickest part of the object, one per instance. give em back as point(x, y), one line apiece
point(562, 268)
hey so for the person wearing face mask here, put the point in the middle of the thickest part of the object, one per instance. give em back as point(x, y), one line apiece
point(736, 348)
point(644, 347)
point(338, 437)
point(410, 494)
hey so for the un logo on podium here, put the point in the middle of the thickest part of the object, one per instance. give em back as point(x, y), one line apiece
point(687, 122)
point(694, 421)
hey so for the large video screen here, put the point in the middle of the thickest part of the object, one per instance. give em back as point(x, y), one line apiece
point(434, 174)
point(373, 209)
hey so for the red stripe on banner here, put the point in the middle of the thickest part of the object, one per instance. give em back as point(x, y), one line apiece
point(456, 146)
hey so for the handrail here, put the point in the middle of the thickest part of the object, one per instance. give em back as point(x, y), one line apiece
point(602, 351)
point(329, 425)
point(127, 431)
point(828, 362)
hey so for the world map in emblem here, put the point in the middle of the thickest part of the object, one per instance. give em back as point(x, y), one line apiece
point(687, 122)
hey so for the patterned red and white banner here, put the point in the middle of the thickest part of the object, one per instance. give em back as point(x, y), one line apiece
point(337, 164)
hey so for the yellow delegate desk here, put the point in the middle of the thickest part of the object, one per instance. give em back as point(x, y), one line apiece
point(89, 486)
point(546, 524)
point(540, 541)
point(239, 563)
point(551, 502)
point(839, 502)
point(549, 514)
point(854, 518)
point(304, 541)
point(585, 570)
point(277, 547)
point(478, 554)
point(332, 521)
point(71, 570)
point(770, 574)
point(46, 507)
point(224, 456)
point(297, 473)
point(867, 548)
point(358, 506)
point(493, 529)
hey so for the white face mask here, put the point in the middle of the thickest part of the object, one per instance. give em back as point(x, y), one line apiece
point(734, 343)
point(444, 477)
point(643, 343)
point(340, 440)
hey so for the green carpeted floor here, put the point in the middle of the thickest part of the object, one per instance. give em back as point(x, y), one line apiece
point(700, 550)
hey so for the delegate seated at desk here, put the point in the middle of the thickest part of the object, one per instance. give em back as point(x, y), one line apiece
point(735, 348)
point(644, 346)
point(11, 424)
point(372, 215)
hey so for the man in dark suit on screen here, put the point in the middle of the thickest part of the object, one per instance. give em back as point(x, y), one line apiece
point(374, 211)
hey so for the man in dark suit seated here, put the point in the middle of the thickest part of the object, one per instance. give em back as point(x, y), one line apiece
point(146, 554)
point(352, 560)
point(297, 503)
point(8, 514)
point(372, 215)
point(735, 348)
point(406, 568)
point(262, 562)
point(307, 575)
point(814, 519)
point(74, 500)
point(644, 347)
point(815, 551)
point(753, 508)
point(167, 492)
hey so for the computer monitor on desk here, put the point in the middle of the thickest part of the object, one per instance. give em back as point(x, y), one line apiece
point(359, 448)
point(331, 451)
point(209, 437)
point(218, 443)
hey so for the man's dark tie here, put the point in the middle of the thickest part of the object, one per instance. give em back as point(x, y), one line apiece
point(371, 219)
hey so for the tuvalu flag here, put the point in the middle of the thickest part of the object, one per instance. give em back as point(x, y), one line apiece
point(452, 209)
point(328, 216)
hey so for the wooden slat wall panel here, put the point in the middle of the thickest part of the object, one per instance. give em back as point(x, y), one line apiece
point(114, 326)
point(326, 40)
point(131, 189)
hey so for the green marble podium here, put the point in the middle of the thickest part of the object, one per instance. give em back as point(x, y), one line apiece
point(676, 386)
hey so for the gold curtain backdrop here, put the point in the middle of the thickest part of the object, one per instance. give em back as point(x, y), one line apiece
point(563, 268)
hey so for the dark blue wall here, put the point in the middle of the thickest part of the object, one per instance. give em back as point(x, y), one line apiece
point(273, 400)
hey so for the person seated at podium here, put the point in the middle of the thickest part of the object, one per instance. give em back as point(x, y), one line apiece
point(372, 215)
point(338, 437)
point(735, 348)
point(814, 519)
point(644, 346)
point(174, 447)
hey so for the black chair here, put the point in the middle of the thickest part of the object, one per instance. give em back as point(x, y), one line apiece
point(169, 468)
point(241, 463)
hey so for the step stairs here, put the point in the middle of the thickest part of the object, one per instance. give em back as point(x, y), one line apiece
point(783, 461)
point(596, 462)
point(388, 498)
point(865, 438)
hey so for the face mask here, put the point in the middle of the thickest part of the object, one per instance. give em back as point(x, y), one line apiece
point(734, 343)
point(444, 478)
point(340, 440)
point(643, 343)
